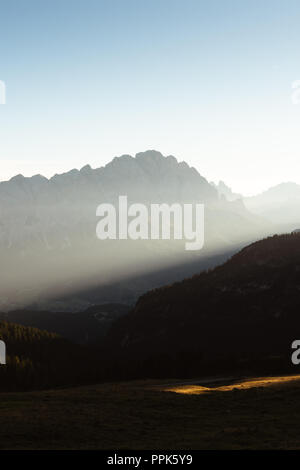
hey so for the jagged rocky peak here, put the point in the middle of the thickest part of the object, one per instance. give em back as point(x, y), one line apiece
point(150, 154)
point(39, 177)
point(156, 160)
point(141, 160)
point(152, 159)
point(86, 169)
point(18, 177)
point(225, 191)
point(121, 161)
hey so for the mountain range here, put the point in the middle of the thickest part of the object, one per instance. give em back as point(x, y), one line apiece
point(48, 241)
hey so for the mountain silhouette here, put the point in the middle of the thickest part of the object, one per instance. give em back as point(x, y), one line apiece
point(48, 231)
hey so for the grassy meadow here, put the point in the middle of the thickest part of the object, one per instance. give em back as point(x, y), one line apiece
point(148, 415)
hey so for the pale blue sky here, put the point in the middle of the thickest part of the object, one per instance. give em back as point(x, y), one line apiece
point(206, 81)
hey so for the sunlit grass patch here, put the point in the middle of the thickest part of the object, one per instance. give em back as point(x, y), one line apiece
point(239, 385)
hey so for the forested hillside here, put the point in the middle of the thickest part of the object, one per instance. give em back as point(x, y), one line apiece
point(241, 316)
point(39, 359)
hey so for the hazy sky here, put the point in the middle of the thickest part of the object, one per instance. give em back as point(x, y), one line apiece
point(207, 81)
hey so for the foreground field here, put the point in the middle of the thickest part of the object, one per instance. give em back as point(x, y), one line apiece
point(138, 415)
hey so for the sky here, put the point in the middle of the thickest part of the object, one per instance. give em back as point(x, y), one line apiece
point(209, 82)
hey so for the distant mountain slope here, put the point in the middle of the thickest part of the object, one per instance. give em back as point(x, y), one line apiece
point(280, 204)
point(226, 191)
point(87, 327)
point(243, 312)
